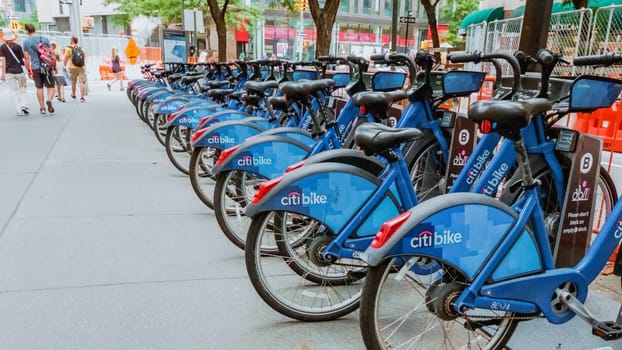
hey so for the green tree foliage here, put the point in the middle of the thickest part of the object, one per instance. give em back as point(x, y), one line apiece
point(453, 12)
point(221, 13)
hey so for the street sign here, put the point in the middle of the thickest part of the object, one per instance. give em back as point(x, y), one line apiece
point(14, 25)
point(408, 19)
point(132, 51)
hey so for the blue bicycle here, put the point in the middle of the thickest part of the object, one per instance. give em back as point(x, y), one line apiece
point(495, 263)
point(322, 216)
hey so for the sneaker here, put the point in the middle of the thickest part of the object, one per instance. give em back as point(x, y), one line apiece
point(121, 88)
point(82, 99)
point(25, 110)
point(108, 85)
point(20, 114)
point(50, 107)
point(73, 96)
point(42, 110)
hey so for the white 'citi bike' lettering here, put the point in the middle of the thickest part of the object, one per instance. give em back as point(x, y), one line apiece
point(495, 180)
point(254, 160)
point(221, 139)
point(427, 239)
point(477, 167)
point(296, 198)
point(618, 232)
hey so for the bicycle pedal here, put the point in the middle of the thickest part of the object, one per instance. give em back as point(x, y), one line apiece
point(608, 330)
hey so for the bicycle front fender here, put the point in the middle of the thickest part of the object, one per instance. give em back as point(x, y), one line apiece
point(171, 105)
point(331, 193)
point(221, 116)
point(191, 117)
point(293, 133)
point(461, 230)
point(266, 156)
point(226, 134)
point(348, 156)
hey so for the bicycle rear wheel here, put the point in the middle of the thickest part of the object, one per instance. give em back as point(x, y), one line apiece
point(403, 310)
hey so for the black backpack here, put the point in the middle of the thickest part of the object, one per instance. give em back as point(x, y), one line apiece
point(77, 56)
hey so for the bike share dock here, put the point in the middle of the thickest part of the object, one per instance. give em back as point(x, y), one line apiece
point(103, 245)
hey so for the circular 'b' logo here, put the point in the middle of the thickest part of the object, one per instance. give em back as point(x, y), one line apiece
point(463, 137)
point(587, 160)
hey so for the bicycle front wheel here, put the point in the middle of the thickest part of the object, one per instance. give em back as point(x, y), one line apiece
point(178, 147)
point(200, 172)
point(293, 279)
point(403, 310)
point(233, 191)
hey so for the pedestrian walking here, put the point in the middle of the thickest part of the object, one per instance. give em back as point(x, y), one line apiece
point(116, 69)
point(40, 61)
point(15, 71)
point(59, 76)
point(76, 57)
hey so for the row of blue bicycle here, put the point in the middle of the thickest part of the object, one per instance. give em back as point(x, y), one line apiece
point(446, 231)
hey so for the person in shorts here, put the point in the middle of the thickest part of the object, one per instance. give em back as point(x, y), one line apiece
point(42, 77)
point(59, 76)
point(76, 73)
point(15, 77)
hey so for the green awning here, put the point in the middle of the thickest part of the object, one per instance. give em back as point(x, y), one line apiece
point(560, 7)
point(485, 15)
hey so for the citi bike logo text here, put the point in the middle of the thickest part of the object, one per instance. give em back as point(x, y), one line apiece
point(297, 198)
point(220, 139)
point(618, 233)
point(493, 183)
point(460, 159)
point(480, 161)
point(254, 160)
point(427, 239)
point(581, 193)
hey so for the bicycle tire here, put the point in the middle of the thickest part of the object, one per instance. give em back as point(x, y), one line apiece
point(178, 148)
point(269, 273)
point(405, 295)
point(231, 195)
point(159, 120)
point(199, 171)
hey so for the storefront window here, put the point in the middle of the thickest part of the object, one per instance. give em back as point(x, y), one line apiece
point(367, 7)
point(344, 6)
point(388, 8)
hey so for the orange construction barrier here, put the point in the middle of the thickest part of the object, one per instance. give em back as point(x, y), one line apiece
point(605, 123)
point(151, 54)
point(105, 72)
point(485, 93)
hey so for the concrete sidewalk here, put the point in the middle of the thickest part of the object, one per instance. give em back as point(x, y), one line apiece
point(103, 245)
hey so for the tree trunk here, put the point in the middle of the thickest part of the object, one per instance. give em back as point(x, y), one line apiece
point(430, 11)
point(221, 31)
point(218, 15)
point(324, 19)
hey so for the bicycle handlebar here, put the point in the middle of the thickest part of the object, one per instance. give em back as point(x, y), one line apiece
point(423, 59)
point(478, 57)
point(598, 60)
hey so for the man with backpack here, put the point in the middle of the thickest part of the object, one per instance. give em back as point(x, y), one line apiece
point(40, 64)
point(76, 57)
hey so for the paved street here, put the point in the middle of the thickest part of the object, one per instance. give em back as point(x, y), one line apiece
point(103, 245)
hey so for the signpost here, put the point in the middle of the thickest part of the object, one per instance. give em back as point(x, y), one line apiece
point(408, 20)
